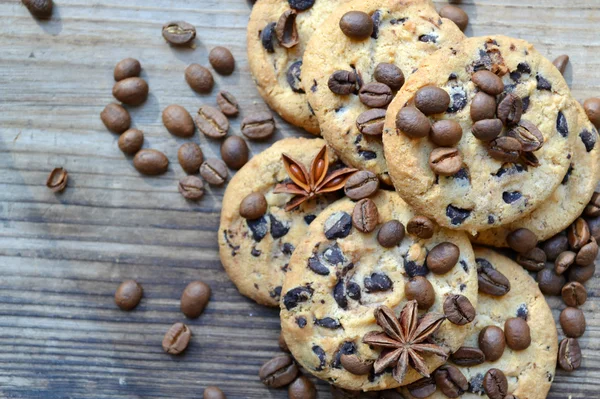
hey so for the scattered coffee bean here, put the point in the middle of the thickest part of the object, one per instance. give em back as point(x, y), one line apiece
point(549, 282)
point(492, 343)
point(578, 234)
point(302, 388)
point(533, 260)
point(422, 388)
point(150, 162)
point(178, 33)
point(517, 334)
point(286, 30)
point(488, 82)
point(371, 122)
point(356, 25)
point(413, 122)
point(495, 384)
point(592, 109)
point(593, 207)
point(569, 354)
point(199, 78)
point(581, 273)
point(459, 310)
point(301, 5)
point(483, 107)
point(418, 288)
point(445, 161)
point(487, 129)
point(177, 339)
point(353, 364)
point(190, 157)
point(178, 121)
point(561, 62)
point(390, 234)
point(564, 261)
point(466, 356)
point(491, 281)
point(528, 135)
point(451, 381)
point(432, 100)
point(127, 68)
point(213, 393)
point(442, 258)
point(522, 240)
point(258, 126)
point(572, 322)
point(214, 171)
point(128, 295)
point(365, 215)
point(555, 246)
point(510, 109)
point(212, 122)
point(456, 15)
point(57, 180)
point(587, 254)
point(41, 9)
point(116, 118)
point(131, 141)
point(194, 299)
point(131, 91)
point(574, 294)
point(446, 133)
point(227, 103)
point(253, 206)
point(505, 149)
point(344, 82)
point(278, 372)
point(234, 151)
point(375, 95)
point(361, 185)
point(421, 227)
point(222, 60)
point(191, 188)
point(390, 75)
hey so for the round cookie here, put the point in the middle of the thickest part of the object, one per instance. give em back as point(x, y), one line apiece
point(405, 32)
point(568, 200)
point(530, 371)
point(485, 192)
point(334, 286)
point(255, 254)
point(275, 68)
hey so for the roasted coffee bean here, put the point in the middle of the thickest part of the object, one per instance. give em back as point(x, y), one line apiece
point(278, 372)
point(505, 149)
point(533, 260)
point(522, 240)
point(390, 75)
point(569, 354)
point(344, 82)
point(561, 62)
point(594, 226)
point(354, 365)
point(234, 151)
point(488, 82)
point(213, 393)
point(451, 381)
point(356, 25)
point(128, 295)
point(222, 60)
point(214, 171)
point(459, 310)
point(199, 78)
point(495, 384)
point(510, 109)
point(432, 100)
point(549, 282)
point(212, 122)
point(194, 299)
point(528, 134)
point(177, 339)
point(178, 33)
point(371, 122)
point(390, 234)
point(301, 5)
point(564, 261)
point(446, 133)
point(413, 122)
point(572, 322)
point(41, 9)
point(178, 121)
point(191, 188)
point(483, 107)
point(190, 157)
point(375, 95)
point(115, 118)
point(491, 281)
point(131, 91)
point(302, 388)
point(127, 68)
point(555, 246)
point(258, 126)
point(418, 288)
point(253, 206)
point(227, 103)
point(365, 215)
point(422, 388)
point(286, 30)
point(487, 129)
point(361, 185)
point(574, 294)
point(492, 343)
point(517, 334)
point(445, 161)
point(456, 15)
point(131, 141)
point(578, 234)
point(466, 356)
point(442, 258)
point(421, 227)
point(150, 162)
point(593, 207)
point(57, 180)
point(581, 273)
point(592, 109)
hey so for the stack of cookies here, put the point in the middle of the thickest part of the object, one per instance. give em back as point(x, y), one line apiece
point(432, 142)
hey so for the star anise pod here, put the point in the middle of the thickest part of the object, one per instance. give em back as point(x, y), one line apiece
point(404, 339)
point(308, 184)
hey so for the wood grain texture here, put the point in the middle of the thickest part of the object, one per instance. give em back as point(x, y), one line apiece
point(62, 256)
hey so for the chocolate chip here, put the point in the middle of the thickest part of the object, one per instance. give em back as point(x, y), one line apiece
point(589, 139)
point(338, 225)
point(487, 129)
point(458, 98)
point(415, 269)
point(488, 82)
point(390, 75)
point(543, 83)
point(491, 281)
point(308, 219)
point(316, 266)
point(328, 322)
point(511, 196)
point(505, 149)
point(442, 258)
point(353, 290)
point(259, 228)
point(421, 227)
point(528, 135)
point(432, 100)
point(457, 215)
point(301, 321)
point(286, 30)
point(339, 294)
point(317, 350)
point(446, 133)
point(418, 288)
point(569, 354)
point(267, 35)
point(378, 282)
point(376, 18)
point(297, 295)
point(430, 38)
point(510, 109)
point(413, 122)
point(301, 5)
point(356, 25)
point(492, 343)
point(278, 228)
point(468, 357)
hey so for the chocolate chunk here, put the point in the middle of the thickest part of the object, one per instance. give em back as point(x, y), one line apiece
point(353, 290)
point(328, 322)
point(308, 219)
point(523, 67)
point(266, 37)
point(334, 255)
point(565, 179)
point(338, 225)
point(376, 17)
point(293, 77)
point(278, 228)
point(301, 5)
point(589, 139)
point(561, 124)
point(297, 295)
point(522, 311)
point(378, 282)
point(543, 83)
point(458, 100)
point(276, 293)
point(457, 215)
point(367, 154)
point(525, 104)
point(301, 321)
point(339, 294)
point(287, 248)
point(259, 228)
point(316, 266)
point(317, 350)
point(511, 196)
point(429, 38)
point(347, 348)
point(414, 269)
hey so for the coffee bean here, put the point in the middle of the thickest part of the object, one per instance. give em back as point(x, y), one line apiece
point(127, 68)
point(491, 281)
point(213, 393)
point(483, 107)
point(517, 334)
point(150, 162)
point(253, 206)
point(344, 82)
point(413, 122)
point(578, 234)
point(555, 246)
point(549, 282)
point(581, 273)
point(356, 25)
point(505, 149)
point(131, 91)
point(533, 260)
point(466, 356)
point(365, 215)
point(561, 62)
point(354, 365)
point(421, 227)
point(574, 294)
point(592, 109)
point(371, 122)
point(422, 388)
point(442, 258)
point(191, 188)
point(178, 33)
point(278, 372)
point(302, 388)
point(227, 103)
point(456, 15)
point(390, 234)
point(451, 381)
point(418, 288)
point(522, 240)
point(214, 171)
point(459, 310)
point(492, 343)
point(510, 109)
point(41, 9)
point(594, 226)
point(488, 82)
point(564, 261)
point(286, 30)
point(234, 151)
point(194, 299)
point(593, 207)
point(361, 185)
point(572, 322)
point(495, 384)
point(569, 354)
point(445, 161)
point(131, 141)
point(487, 129)
point(528, 135)
point(199, 78)
point(390, 75)
point(266, 37)
point(446, 133)
point(190, 157)
point(432, 100)
point(115, 118)
point(301, 5)
point(57, 180)
point(178, 121)
point(128, 295)
point(212, 122)
point(258, 126)
point(222, 60)
point(177, 339)
point(375, 95)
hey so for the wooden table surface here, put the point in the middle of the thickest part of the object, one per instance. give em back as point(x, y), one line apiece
point(62, 256)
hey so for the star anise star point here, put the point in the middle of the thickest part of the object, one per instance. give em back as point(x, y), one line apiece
point(404, 340)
